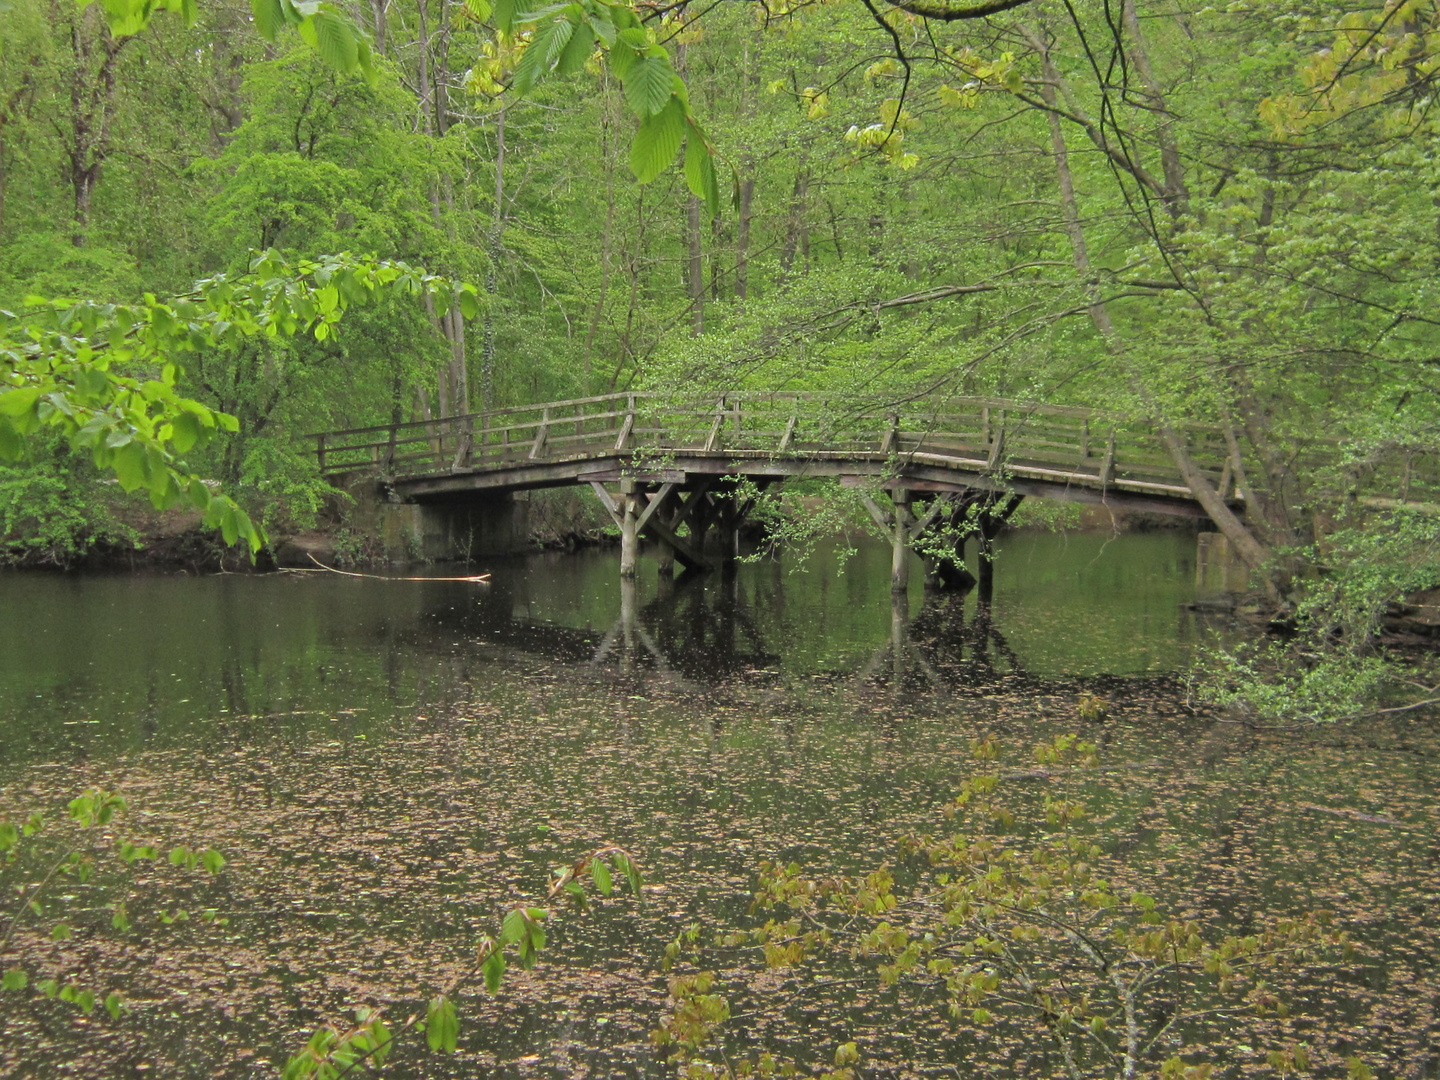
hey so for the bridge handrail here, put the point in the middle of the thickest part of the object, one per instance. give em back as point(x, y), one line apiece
point(704, 401)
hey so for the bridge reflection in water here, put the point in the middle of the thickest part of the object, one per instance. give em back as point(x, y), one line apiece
point(695, 636)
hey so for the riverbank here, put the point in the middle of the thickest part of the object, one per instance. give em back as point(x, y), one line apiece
point(561, 519)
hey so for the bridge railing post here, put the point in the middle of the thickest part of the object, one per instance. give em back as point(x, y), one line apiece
point(541, 434)
point(712, 441)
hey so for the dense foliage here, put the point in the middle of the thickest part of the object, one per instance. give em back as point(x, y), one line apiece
point(1222, 214)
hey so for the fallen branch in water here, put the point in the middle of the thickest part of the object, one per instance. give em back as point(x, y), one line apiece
point(1357, 815)
point(474, 579)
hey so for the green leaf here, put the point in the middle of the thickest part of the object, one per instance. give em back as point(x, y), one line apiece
point(657, 142)
point(269, 18)
point(129, 466)
point(629, 46)
point(229, 524)
point(212, 860)
point(61, 932)
point(14, 979)
point(442, 1027)
point(512, 928)
point(186, 431)
point(494, 968)
point(601, 873)
point(700, 172)
point(577, 50)
point(19, 401)
point(335, 41)
point(114, 1004)
point(603, 27)
point(650, 84)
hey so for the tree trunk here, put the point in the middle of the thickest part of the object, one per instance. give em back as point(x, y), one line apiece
point(1249, 548)
point(742, 239)
point(92, 109)
point(1177, 197)
point(492, 276)
point(797, 235)
point(696, 275)
point(607, 156)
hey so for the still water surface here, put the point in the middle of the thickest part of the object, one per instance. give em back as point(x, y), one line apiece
point(388, 764)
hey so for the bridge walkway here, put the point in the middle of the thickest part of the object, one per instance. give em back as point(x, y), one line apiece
point(933, 472)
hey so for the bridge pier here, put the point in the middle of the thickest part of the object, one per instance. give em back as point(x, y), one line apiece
point(629, 529)
point(900, 541)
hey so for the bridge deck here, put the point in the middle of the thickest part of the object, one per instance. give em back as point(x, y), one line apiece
point(939, 445)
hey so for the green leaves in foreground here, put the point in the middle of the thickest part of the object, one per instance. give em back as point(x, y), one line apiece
point(322, 26)
point(105, 376)
point(565, 36)
point(442, 1027)
point(332, 1053)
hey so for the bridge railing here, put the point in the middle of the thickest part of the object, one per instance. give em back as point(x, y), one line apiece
point(994, 432)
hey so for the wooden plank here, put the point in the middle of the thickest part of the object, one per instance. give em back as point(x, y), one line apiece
point(713, 439)
point(608, 502)
point(881, 518)
point(656, 499)
point(790, 426)
point(687, 555)
point(538, 447)
point(937, 504)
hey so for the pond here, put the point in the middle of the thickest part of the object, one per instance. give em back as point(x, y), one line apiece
point(389, 765)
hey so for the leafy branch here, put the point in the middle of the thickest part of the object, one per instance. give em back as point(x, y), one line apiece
point(106, 376)
point(333, 1052)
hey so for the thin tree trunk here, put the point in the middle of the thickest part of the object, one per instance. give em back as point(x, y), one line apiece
point(1177, 197)
point(379, 15)
point(608, 157)
point(1249, 548)
point(92, 105)
point(742, 239)
point(492, 276)
point(795, 232)
point(696, 276)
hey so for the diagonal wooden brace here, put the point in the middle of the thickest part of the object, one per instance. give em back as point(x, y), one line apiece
point(607, 501)
point(687, 555)
point(656, 501)
point(938, 504)
point(884, 520)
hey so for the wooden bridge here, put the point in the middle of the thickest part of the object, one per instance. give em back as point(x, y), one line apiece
point(933, 473)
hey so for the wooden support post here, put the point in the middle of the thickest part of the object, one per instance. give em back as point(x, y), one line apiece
point(890, 444)
point(665, 560)
point(900, 546)
point(320, 449)
point(628, 428)
point(1084, 439)
point(1107, 463)
point(629, 533)
point(997, 448)
point(538, 447)
point(463, 445)
point(712, 441)
point(789, 436)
